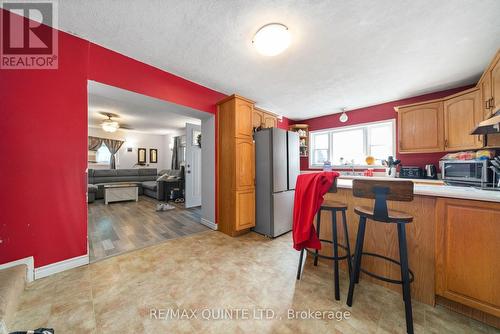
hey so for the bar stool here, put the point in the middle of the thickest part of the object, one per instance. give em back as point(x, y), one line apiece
point(333, 207)
point(382, 191)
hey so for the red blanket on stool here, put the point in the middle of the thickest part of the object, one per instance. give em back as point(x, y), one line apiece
point(309, 192)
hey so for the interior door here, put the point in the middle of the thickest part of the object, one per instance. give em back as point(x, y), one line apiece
point(193, 166)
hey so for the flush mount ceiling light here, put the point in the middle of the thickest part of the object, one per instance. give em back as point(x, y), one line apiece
point(272, 39)
point(343, 118)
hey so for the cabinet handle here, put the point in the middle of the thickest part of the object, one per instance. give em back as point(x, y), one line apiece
point(487, 104)
point(479, 138)
point(492, 102)
point(446, 143)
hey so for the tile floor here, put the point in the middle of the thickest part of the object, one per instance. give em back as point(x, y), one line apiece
point(209, 271)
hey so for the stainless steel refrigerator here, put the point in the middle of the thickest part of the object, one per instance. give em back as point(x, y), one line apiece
point(277, 165)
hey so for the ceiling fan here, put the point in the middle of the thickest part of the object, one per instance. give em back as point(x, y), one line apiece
point(110, 125)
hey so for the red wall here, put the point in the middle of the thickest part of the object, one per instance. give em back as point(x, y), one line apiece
point(376, 113)
point(43, 139)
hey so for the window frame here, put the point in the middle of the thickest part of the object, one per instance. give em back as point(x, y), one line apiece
point(366, 142)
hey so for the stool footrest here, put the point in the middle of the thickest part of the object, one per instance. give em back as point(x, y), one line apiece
point(313, 252)
point(382, 278)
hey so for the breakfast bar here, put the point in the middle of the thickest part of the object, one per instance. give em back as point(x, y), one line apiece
point(452, 245)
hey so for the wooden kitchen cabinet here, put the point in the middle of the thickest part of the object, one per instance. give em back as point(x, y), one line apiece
point(258, 118)
point(236, 164)
point(264, 119)
point(420, 127)
point(467, 261)
point(485, 89)
point(270, 121)
point(495, 84)
point(462, 112)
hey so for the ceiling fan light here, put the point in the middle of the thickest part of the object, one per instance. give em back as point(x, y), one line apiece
point(109, 125)
point(272, 39)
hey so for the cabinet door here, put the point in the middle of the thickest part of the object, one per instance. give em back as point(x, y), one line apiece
point(421, 128)
point(258, 118)
point(243, 119)
point(270, 121)
point(245, 209)
point(495, 85)
point(245, 165)
point(461, 115)
point(467, 261)
point(485, 88)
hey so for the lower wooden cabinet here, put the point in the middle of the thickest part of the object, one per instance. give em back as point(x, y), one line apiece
point(467, 253)
point(245, 209)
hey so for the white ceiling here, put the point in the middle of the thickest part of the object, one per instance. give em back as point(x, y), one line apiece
point(141, 112)
point(344, 53)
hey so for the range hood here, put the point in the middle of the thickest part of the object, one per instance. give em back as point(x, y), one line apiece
point(489, 126)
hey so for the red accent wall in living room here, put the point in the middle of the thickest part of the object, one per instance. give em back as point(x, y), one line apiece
point(43, 139)
point(380, 112)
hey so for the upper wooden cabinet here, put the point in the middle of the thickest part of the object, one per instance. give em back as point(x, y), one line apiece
point(420, 127)
point(270, 121)
point(489, 85)
point(467, 262)
point(485, 91)
point(264, 119)
point(495, 84)
point(258, 118)
point(462, 113)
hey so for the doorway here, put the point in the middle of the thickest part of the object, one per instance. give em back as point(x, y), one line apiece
point(150, 194)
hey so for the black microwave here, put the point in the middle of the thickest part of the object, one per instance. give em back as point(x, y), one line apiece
point(466, 171)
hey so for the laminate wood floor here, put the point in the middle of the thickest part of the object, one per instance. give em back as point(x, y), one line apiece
point(124, 226)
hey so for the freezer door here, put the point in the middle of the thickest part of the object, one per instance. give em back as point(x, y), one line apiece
point(280, 174)
point(293, 158)
point(282, 213)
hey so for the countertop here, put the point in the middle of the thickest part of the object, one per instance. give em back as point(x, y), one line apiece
point(433, 188)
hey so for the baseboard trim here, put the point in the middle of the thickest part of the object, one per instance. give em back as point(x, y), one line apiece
point(58, 267)
point(28, 261)
point(209, 224)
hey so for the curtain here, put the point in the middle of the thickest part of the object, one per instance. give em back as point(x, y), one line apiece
point(113, 147)
point(175, 153)
point(94, 143)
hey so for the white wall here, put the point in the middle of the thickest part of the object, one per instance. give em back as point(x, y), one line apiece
point(208, 169)
point(135, 140)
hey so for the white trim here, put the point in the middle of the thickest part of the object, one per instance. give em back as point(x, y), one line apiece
point(209, 224)
point(28, 261)
point(58, 267)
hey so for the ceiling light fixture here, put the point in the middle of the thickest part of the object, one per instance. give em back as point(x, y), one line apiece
point(109, 125)
point(272, 39)
point(343, 118)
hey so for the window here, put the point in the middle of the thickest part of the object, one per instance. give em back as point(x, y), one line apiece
point(103, 155)
point(352, 144)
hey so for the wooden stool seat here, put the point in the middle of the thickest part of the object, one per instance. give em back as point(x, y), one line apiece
point(329, 204)
point(393, 215)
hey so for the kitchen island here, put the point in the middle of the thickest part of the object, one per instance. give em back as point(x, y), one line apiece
point(453, 245)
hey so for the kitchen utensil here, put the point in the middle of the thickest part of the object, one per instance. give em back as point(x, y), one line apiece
point(430, 171)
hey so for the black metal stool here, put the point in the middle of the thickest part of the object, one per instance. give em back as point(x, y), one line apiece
point(333, 207)
point(382, 191)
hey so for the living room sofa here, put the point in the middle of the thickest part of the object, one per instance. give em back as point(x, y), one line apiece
point(145, 178)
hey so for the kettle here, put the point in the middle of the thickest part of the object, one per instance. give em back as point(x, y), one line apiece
point(430, 171)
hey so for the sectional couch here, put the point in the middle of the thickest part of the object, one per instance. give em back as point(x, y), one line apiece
point(145, 178)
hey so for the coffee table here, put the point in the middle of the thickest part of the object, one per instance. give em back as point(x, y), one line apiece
point(121, 192)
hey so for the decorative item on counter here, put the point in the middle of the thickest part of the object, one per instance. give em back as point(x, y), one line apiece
point(327, 166)
point(485, 154)
point(390, 166)
point(370, 160)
